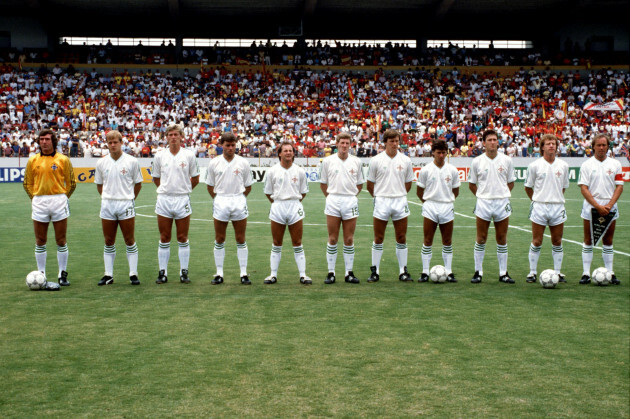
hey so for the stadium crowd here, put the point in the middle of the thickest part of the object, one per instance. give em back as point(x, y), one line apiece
point(309, 108)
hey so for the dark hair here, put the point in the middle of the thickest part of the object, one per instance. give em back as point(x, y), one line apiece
point(227, 137)
point(390, 133)
point(439, 145)
point(52, 134)
point(282, 144)
point(489, 132)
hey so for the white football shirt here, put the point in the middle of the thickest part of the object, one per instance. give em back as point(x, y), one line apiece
point(492, 176)
point(547, 180)
point(601, 177)
point(175, 171)
point(341, 176)
point(284, 184)
point(390, 175)
point(118, 177)
point(229, 178)
point(438, 182)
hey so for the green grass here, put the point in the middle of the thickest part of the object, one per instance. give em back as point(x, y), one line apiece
point(385, 349)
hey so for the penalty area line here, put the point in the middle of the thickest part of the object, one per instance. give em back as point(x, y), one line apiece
point(530, 232)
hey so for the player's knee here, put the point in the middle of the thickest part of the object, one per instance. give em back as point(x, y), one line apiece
point(401, 238)
point(332, 240)
point(348, 241)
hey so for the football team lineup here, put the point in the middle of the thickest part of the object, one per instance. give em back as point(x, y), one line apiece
point(525, 228)
point(49, 181)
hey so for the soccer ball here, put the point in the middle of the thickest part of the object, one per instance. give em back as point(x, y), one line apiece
point(438, 274)
point(36, 280)
point(601, 276)
point(549, 278)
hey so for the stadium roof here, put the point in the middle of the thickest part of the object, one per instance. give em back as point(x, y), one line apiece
point(349, 19)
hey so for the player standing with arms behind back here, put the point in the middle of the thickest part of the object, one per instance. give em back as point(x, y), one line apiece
point(389, 179)
point(437, 187)
point(286, 187)
point(49, 182)
point(601, 183)
point(118, 180)
point(175, 173)
point(341, 180)
point(491, 180)
point(547, 179)
point(229, 182)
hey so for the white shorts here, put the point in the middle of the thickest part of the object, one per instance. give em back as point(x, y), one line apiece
point(586, 209)
point(286, 212)
point(493, 209)
point(396, 208)
point(547, 214)
point(345, 207)
point(173, 206)
point(47, 208)
point(229, 208)
point(112, 209)
point(438, 212)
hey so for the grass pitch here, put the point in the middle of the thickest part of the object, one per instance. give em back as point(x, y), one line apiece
point(384, 349)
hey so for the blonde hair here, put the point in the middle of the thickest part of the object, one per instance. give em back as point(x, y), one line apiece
point(113, 134)
point(175, 127)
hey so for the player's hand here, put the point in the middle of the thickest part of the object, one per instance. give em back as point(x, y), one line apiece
point(603, 210)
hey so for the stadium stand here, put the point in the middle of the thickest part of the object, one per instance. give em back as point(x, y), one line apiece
point(311, 107)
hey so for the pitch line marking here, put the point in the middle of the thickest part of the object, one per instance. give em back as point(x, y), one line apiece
point(529, 231)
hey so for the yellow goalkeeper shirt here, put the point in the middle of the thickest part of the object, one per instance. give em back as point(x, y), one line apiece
point(49, 175)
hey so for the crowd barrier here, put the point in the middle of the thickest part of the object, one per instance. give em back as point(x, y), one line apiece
point(12, 169)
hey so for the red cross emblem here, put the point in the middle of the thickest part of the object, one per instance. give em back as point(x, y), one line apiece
point(609, 172)
point(558, 173)
point(182, 165)
point(236, 172)
point(294, 179)
point(500, 169)
point(352, 171)
point(399, 168)
point(447, 178)
point(123, 171)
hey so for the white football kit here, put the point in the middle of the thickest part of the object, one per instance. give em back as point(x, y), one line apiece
point(174, 172)
point(286, 187)
point(389, 176)
point(438, 184)
point(119, 178)
point(492, 177)
point(342, 178)
point(229, 180)
point(548, 180)
point(601, 178)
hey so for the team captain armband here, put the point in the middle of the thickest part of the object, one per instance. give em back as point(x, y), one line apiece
point(619, 177)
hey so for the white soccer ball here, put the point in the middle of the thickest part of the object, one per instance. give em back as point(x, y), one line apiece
point(549, 278)
point(438, 274)
point(36, 280)
point(601, 276)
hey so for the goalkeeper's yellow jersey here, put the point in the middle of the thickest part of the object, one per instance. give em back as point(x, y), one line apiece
point(49, 175)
